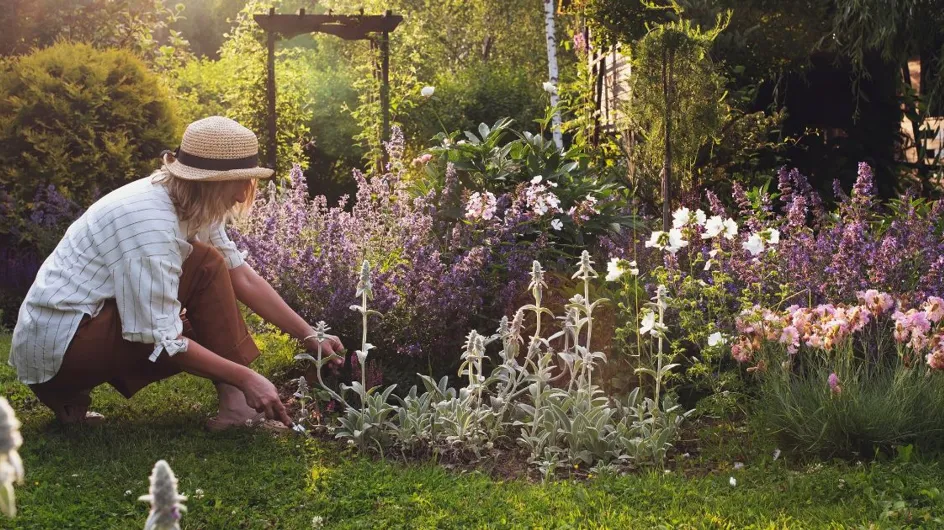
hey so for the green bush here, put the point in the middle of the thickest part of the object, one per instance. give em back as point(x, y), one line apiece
point(81, 119)
point(482, 93)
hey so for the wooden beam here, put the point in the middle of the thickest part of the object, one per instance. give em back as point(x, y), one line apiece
point(350, 27)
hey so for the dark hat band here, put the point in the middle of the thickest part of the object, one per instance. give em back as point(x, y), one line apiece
point(215, 164)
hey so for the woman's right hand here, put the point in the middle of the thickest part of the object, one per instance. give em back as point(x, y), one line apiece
point(262, 395)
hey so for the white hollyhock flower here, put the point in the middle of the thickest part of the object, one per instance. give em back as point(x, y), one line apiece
point(428, 91)
point(716, 338)
point(657, 240)
point(754, 244)
point(613, 270)
point(713, 227)
point(680, 217)
point(676, 242)
point(730, 229)
point(700, 218)
point(557, 224)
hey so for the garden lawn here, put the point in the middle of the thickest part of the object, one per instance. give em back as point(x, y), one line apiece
point(91, 478)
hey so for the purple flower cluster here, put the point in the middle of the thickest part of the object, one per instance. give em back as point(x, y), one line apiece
point(27, 236)
point(433, 280)
point(822, 257)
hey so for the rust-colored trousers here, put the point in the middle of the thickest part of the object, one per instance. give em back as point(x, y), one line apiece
point(98, 354)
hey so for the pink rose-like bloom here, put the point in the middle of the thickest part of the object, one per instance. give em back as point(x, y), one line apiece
point(741, 350)
point(814, 340)
point(791, 337)
point(858, 316)
point(934, 308)
point(902, 327)
point(935, 359)
point(422, 159)
point(876, 302)
point(833, 382)
point(919, 341)
point(918, 321)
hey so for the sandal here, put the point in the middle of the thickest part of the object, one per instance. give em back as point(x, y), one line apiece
point(215, 424)
point(90, 418)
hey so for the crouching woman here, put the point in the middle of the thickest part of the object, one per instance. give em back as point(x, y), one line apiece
point(144, 285)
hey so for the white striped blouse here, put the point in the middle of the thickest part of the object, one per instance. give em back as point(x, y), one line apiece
point(129, 246)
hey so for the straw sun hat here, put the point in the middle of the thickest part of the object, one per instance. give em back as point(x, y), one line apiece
point(216, 149)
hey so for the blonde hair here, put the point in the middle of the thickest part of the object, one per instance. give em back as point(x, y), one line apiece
point(204, 204)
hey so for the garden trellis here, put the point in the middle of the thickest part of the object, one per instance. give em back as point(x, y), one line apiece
point(374, 28)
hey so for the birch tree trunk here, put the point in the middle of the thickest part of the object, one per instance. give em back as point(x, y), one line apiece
point(552, 67)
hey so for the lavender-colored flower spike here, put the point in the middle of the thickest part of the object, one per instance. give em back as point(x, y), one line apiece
point(11, 466)
point(165, 502)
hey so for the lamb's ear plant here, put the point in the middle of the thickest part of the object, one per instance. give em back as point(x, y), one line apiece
point(321, 335)
point(11, 466)
point(166, 507)
point(524, 397)
point(368, 424)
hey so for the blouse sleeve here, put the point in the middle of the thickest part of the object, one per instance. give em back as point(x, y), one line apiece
point(218, 238)
point(147, 279)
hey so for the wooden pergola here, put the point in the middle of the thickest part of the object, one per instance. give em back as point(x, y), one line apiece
point(375, 28)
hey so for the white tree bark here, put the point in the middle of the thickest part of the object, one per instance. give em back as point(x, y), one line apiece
point(552, 67)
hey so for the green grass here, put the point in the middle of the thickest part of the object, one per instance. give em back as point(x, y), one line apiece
point(77, 478)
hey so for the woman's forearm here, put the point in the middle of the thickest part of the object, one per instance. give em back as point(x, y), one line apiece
point(199, 361)
point(252, 290)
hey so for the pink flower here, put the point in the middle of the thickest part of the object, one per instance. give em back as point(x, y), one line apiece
point(791, 337)
point(540, 200)
point(481, 206)
point(919, 321)
point(422, 159)
point(935, 359)
point(902, 327)
point(858, 317)
point(741, 350)
point(833, 382)
point(919, 341)
point(877, 302)
point(934, 308)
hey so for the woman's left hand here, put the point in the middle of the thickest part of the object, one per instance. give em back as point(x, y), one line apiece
point(331, 345)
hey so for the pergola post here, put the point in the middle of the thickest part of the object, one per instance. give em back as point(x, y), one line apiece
point(270, 97)
point(385, 92)
point(348, 27)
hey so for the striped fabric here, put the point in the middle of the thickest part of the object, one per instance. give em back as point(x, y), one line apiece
point(128, 246)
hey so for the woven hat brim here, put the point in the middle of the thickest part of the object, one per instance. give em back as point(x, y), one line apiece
point(208, 175)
